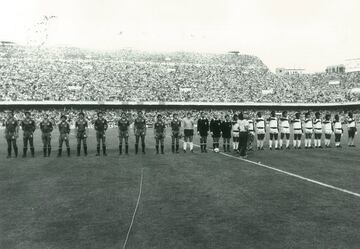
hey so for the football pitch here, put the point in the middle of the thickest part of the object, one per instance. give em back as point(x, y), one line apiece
point(285, 199)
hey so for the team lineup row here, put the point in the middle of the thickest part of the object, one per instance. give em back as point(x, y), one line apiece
point(242, 131)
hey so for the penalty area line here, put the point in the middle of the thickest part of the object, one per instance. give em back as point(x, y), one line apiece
point(291, 174)
point(135, 210)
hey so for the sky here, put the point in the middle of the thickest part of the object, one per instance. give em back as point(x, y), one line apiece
point(310, 34)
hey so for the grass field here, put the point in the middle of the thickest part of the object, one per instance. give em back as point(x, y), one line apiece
point(187, 201)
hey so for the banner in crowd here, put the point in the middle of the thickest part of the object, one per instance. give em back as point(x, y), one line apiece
point(268, 91)
point(334, 82)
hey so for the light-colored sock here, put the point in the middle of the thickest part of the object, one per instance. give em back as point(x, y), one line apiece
point(276, 143)
point(299, 143)
point(184, 145)
point(270, 143)
point(258, 143)
point(287, 143)
point(294, 143)
point(281, 143)
point(191, 145)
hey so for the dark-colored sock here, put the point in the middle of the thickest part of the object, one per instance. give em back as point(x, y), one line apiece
point(24, 152)
point(143, 148)
point(85, 150)
point(49, 150)
point(136, 148)
point(98, 149)
point(9, 151)
point(120, 149)
point(104, 150)
point(228, 147)
point(78, 150)
point(173, 148)
point(68, 151)
point(16, 151)
point(126, 149)
point(162, 149)
point(157, 149)
point(59, 152)
point(32, 150)
point(177, 147)
point(45, 151)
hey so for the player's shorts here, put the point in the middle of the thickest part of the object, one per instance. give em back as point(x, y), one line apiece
point(81, 135)
point(236, 134)
point(100, 134)
point(10, 136)
point(46, 135)
point(252, 133)
point(139, 132)
point(273, 131)
point(297, 131)
point(188, 133)
point(159, 136)
point(123, 134)
point(328, 132)
point(27, 134)
point(318, 131)
point(226, 135)
point(285, 130)
point(351, 132)
point(261, 136)
point(260, 131)
point(175, 134)
point(308, 130)
point(216, 135)
point(338, 131)
point(64, 137)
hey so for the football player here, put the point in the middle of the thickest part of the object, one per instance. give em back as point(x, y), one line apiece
point(175, 133)
point(28, 126)
point(251, 134)
point(351, 126)
point(226, 127)
point(318, 130)
point(297, 127)
point(123, 126)
point(100, 126)
point(64, 130)
point(308, 130)
point(274, 130)
point(284, 130)
point(328, 130)
point(46, 128)
point(215, 131)
point(140, 132)
point(203, 127)
point(338, 130)
point(188, 125)
point(159, 133)
point(82, 132)
point(235, 133)
point(11, 134)
point(260, 131)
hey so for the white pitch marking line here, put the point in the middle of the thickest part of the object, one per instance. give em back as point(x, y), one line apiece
point(136, 208)
point(292, 174)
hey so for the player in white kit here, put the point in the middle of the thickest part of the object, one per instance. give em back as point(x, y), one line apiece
point(308, 123)
point(235, 133)
point(351, 126)
point(317, 130)
point(273, 130)
point(260, 131)
point(338, 130)
point(297, 127)
point(328, 130)
point(284, 130)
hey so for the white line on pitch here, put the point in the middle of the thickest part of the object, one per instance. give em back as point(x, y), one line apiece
point(291, 174)
point(135, 210)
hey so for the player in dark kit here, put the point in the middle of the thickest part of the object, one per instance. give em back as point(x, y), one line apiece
point(226, 127)
point(101, 126)
point(123, 125)
point(28, 126)
point(46, 128)
point(64, 130)
point(203, 127)
point(215, 131)
point(159, 133)
point(175, 136)
point(140, 132)
point(82, 131)
point(11, 134)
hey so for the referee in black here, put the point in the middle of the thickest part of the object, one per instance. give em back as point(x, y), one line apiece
point(203, 127)
point(243, 134)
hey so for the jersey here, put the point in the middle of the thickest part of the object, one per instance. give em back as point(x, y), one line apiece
point(273, 123)
point(81, 125)
point(28, 126)
point(350, 123)
point(226, 127)
point(175, 126)
point(46, 126)
point(308, 125)
point(215, 127)
point(124, 124)
point(327, 127)
point(251, 125)
point(101, 125)
point(337, 127)
point(260, 126)
point(203, 126)
point(159, 127)
point(140, 124)
point(284, 125)
point(317, 126)
point(297, 125)
point(64, 127)
point(11, 126)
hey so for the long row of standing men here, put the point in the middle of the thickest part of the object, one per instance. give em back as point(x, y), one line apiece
point(241, 130)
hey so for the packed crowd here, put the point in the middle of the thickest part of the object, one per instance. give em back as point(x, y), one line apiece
point(77, 75)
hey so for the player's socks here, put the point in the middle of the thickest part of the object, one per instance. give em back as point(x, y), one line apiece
point(287, 143)
point(85, 150)
point(162, 149)
point(24, 152)
point(16, 151)
point(104, 150)
point(270, 144)
point(32, 152)
point(45, 151)
point(276, 144)
point(120, 149)
point(143, 148)
point(68, 151)
point(172, 148)
point(9, 152)
point(299, 144)
point(59, 152)
point(126, 149)
point(177, 148)
point(184, 146)
point(98, 150)
point(281, 143)
point(157, 149)
point(191, 146)
point(78, 150)
point(49, 151)
point(136, 148)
